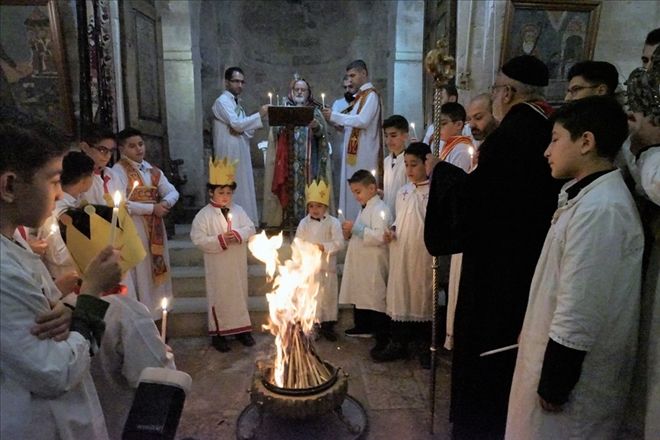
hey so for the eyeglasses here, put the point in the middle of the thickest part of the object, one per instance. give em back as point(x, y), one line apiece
point(103, 150)
point(576, 89)
point(498, 86)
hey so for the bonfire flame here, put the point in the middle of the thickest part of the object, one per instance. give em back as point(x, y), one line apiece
point(292, 309)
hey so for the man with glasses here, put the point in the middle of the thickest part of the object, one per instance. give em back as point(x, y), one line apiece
point(507, 204)
point(232, 131)
point(589, 78)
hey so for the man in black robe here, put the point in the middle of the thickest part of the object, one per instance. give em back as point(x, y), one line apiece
point(498, 216)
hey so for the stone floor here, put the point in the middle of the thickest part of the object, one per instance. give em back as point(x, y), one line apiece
point(395, 395)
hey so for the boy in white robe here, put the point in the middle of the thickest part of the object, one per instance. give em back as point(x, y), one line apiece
point(76, 178)
point(395, 130)
point(147, 203)
point(221, 230)
point(365, 267)
point(410, 280)
point(46, 391)
point(574, 365)
point(324, 230)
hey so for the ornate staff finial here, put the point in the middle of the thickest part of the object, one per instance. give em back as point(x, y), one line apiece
point(439, 63)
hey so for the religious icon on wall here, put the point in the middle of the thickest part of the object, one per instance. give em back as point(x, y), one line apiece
point(559, 33)
point(33, 76)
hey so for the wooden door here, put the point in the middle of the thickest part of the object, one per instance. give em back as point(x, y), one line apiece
point(142, 67)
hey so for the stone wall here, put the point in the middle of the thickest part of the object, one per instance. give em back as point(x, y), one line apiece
point(621, 32)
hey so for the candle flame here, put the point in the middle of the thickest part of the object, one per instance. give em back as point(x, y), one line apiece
point(53, 228)
point(373, 172)
point(117, 198)
point(163, 304)
point(270, 95)
point(471, 151)
point(412, 125)
point(340, 212)
point(229, 216)
point(322, 95)
point(382, 215)
point(135, 184)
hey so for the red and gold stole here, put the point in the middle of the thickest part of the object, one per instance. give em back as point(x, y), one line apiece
point(354, 138)
point(153, 224)
point(451, 144)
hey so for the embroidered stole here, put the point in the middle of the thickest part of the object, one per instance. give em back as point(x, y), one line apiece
point(354, 137)
point(451, 144)
point(153, 224)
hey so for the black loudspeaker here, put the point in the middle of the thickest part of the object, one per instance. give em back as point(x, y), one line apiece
point(157, 405)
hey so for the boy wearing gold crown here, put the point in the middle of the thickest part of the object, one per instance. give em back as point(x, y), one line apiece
point(322, 229)
point(147, 203)
point(221, 230)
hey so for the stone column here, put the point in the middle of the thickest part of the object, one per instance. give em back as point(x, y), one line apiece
point(183, 92)
point(408, 67)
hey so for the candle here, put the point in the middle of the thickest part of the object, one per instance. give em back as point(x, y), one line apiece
point(270, 98)
point(341, 215)
point(229, 217)
point(115, 212)
point(373, 172)
point(135, 185)
point(323, 99)
point(53, 229)
point(471, 151)
point(163, 324)
point(382, 215)
point(412, 127)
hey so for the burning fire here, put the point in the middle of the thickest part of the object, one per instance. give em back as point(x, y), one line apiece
point(292, 309)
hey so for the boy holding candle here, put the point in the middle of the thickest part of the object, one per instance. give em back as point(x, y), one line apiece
point(149, 202)
point(221, 230)
point(365, 268)
point(579, 337)
point(457, 149)
point(410, 283)
point(46, 390)
point(325, 231)
point(395, 130)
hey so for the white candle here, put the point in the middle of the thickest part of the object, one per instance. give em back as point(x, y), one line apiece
point(341, 215)
point(270, 98)
point(163, 324)
point(135, 185)
point(412, 127)
point(53, 229)
point(323, 99)
point(229, 217)
point(115, 212)
point(498, 350)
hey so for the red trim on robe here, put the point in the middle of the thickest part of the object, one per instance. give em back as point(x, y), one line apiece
point(281, 172)
point(223, 243)
point(237, 236)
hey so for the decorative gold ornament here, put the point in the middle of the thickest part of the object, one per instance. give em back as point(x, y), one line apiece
point(439, 63)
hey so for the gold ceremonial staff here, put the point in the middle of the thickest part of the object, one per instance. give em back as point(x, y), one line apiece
point(442, 67)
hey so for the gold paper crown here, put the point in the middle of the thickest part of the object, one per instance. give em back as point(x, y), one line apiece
point(318, 192)
point(222, 171)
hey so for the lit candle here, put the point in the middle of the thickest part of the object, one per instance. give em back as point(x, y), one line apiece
point(53, 229)
point(373, 172)
point(341, 215)
point(115, 212)
point(471, 151)
point(163, 324)
point(382, 215)
point(229, 217)
point(323, 99)
point(412, 127)
point(135, 185)
point(270, 98)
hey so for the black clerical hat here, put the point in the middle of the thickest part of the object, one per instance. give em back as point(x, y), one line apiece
point(527, 69)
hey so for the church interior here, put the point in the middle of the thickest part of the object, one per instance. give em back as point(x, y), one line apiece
point(158, 66)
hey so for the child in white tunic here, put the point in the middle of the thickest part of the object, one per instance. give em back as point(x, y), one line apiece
point(365, 267)
point(410, 283)
point(322, 229)
point(395, 130)
point(578, 341)
point(99, 144)
point(221, 230)
point(147, 203)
